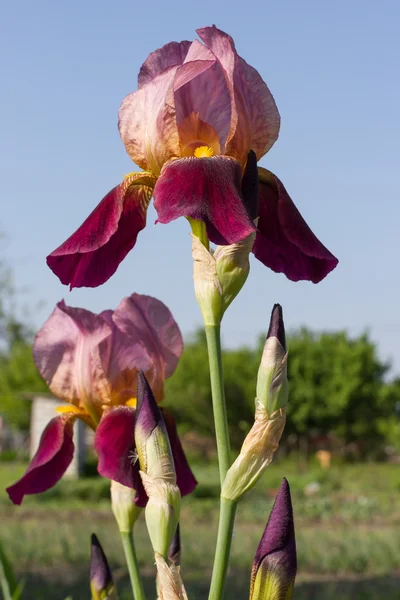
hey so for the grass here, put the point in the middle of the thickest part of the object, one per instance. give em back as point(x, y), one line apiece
point(346, 526)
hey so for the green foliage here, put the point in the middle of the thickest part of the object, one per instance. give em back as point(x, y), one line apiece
point(9, 585)
point(18, 377)
point(337, 386)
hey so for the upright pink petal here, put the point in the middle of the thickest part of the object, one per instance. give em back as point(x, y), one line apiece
point(147, 123)
point(55, 452)
point(126, 358)
point(92, 254)
point(207, 189)
point(170, 55)
point(68, 356)
point(147, 320)
point(261, 107)
point(284, 242)
point(200, 88)
point(115, 446)
point(255, 119)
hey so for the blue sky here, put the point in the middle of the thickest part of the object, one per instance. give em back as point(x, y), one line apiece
point(333, 69)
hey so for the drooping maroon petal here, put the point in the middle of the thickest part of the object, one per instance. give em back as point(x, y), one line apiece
point(207, 189)
point(92, 254)
point(276, 552)
point(147, 320)
point(185, 479)
point(115, 446)
point(284, 242)
point(170, 55)
point(55, 452)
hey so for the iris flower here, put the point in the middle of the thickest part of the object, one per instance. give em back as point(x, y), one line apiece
point(92, 362)
point(198, 112)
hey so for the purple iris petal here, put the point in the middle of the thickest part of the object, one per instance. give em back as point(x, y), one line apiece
point(115, 446)
point(207, 189)
point(284, 242)
point(55, 452)
point(92, 254)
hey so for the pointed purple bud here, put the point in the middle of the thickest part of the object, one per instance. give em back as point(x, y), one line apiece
point(174, 552)
point(275, 563)
point(276, 326)
point(101, 581)
point(148, 415)
point(250, 185)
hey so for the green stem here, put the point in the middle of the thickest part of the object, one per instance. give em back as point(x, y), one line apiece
point(213, 333)
point(133, 567)
point(222, 551)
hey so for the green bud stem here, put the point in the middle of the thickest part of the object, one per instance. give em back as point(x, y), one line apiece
point(213, 333)
point(227, 508)
point(133, 567)
point(222, 551)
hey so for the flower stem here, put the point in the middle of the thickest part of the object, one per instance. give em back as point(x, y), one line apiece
point(133, 567)
point(218, 398)
point(222, 551)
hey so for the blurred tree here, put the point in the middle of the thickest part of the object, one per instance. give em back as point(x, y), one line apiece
point(18, 374)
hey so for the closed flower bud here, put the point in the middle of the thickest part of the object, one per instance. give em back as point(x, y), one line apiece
point(275, 563)
point(207, 287)
point(233, 267)
point(272, 383)
point(101, 581)
point(263, 439)
point(123, 505)
point(157, 470)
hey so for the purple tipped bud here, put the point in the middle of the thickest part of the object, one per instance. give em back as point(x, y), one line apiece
point(275, 563)
point(276, 326)
point(250, 185)
point(148, 414)
point(174, 552)
point(101, 581)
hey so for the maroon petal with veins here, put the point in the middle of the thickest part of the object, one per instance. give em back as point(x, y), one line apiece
point(55, 452)
point(207, 189)
point(92, 254)
point(115, 446)
point(185, 479)
point(284, 242)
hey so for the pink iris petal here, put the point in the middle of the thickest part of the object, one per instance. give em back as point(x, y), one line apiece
point(200, 88)
point(147, 123)
point(55, 452)
point(185, 479)
point(284, 242)
point(92, 254)
point(126, 358)
point(207, 189)
point(255, 119)
point(115, 446)
point(170, 55)
point(67, 354)
point(146, 319)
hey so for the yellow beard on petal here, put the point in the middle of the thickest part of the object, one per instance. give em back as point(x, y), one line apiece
point(76, 410)
point(203, 152)
point(131, 402)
